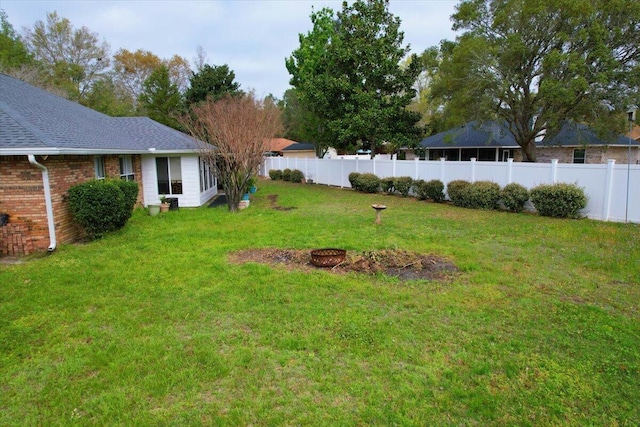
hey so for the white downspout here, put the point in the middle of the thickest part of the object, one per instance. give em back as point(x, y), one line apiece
point(47, 201)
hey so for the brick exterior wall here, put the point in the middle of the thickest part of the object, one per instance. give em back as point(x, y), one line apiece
point(593, 155)
point(22, 197)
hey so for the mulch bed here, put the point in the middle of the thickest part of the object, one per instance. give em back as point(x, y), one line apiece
point(401, 264)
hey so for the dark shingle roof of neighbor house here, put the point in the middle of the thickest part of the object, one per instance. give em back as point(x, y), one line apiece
point(300, 146)
point(492, 134)
point(35, 121)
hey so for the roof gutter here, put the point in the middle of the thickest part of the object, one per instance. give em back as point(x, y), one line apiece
point(47, 200)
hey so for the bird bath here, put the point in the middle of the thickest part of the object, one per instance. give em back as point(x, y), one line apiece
point(378, 208)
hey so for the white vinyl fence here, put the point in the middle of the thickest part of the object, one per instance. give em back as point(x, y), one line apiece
point(613, 190)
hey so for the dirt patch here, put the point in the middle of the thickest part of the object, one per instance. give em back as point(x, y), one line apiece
point(273, 200)
point(401, 264)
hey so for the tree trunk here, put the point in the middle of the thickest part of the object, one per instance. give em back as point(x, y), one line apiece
point(529, 151)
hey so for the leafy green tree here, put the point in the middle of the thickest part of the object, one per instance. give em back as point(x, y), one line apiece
point(348, 73)
point(13, 53)
point(109, 97)
point(301, 124)
point(212, 82)
point(160, 98)
point(73, 58)
point(534, 64)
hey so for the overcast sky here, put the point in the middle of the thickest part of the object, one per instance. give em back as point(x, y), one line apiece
point(253, 37)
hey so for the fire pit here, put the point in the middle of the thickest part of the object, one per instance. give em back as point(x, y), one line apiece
point(327, 257)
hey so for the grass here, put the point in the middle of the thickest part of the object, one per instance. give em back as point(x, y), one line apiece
point(152, 326)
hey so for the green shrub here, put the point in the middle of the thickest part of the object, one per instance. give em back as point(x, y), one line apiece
point(98, 206)
point(481, 195)
point(130, 191)
point(296, 176)
point(275, 174)
point(455, 189)
point(387, 185)
point(402, 185)
point(286, 174)
point(368, 183)
point(514, 196)
point(353, 179)
point(558, 200)
point(434, 190)
point(419, 189)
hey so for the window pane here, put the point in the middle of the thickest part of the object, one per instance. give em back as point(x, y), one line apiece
point(579, 155)
point(162, 169)
point(99, 167)
point(175, 173)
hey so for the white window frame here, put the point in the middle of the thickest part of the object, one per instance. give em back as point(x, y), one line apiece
point(99, 167)
point(126, 168)
point(169, 175)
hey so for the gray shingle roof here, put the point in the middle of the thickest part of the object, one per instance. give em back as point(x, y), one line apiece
point(37, 120)
point(299, 146)
point(492, 134)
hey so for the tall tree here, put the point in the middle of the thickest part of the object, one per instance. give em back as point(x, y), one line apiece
point(133, 68)
point(348, 73)
point(160, 98)
point(232, 133)
point(301, 124)
point(213, 82)
point(108, 96)
point(74, 58)
point(534, 64)
point(13, 53)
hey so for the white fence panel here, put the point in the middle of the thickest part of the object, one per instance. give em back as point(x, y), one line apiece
point(605, 184)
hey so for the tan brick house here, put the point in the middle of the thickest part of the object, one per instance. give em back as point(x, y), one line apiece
point(575, 143)
point(48, 144)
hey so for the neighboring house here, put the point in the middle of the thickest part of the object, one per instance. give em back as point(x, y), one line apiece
point(276, 146)
point(300, 150)
point(575, 143)
point(48, 144)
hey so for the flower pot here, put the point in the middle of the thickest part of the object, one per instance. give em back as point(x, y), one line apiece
point(245, 196)
point(253, 189)
point(154, 210)
point(164, 207)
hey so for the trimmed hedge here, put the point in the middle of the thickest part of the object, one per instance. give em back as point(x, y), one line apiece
point(368, 183)
point(482, 195)
point(558, 200)
point(275, 174)
point(434, 190)
point(514, 196)
point(402, 185)
point(387, 185)
point(130, 190)
point(100, 206)
point(353, 179)
point(286, 174)
point(455, 190)
point(296, 176)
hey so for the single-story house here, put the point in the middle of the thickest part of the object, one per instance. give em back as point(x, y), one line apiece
point(48, 144)
point(275, 146)
point(491, 141)
point(300, 150)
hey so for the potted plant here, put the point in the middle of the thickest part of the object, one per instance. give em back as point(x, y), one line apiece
point(164, 205)
point(251, 184)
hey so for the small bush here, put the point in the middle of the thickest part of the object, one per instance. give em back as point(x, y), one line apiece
point(130, 190)
point(455, 190)
point(402, 185)
point(286, 174)
point(434, 190)
point(98, 206)
point(559, 200)
point(481, 195)
point(514, 196)
point(387, 185)
point(296, 176)
point(368, 183)
point(275, 174)
point(353, 179)
point(419, 189)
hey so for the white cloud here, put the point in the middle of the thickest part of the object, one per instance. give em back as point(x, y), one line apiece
point(252, 37)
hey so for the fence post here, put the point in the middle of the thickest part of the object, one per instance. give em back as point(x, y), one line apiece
point(608, 190)
point(342, 172)
point(509, 170)
point(442, 165)
point(554, 171)
point(393, 166)
point(473, 170)
point(374, 164)
point(415, 173)
point(357, 163)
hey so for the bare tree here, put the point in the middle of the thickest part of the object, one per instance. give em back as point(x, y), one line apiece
point(231, 134)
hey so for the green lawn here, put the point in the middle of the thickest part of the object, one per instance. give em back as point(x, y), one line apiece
point(153, 326)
